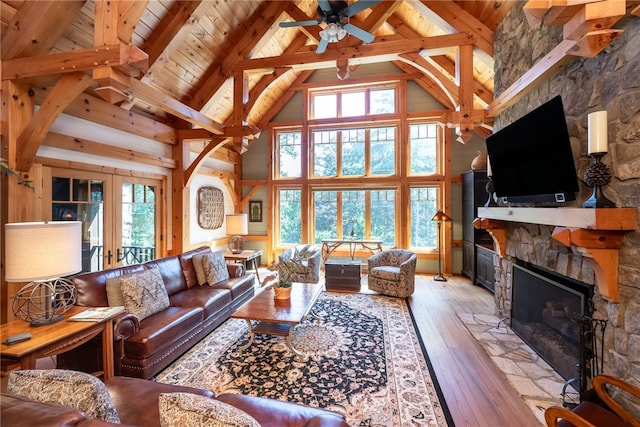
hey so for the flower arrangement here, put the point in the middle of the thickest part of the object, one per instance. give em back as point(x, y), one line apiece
point(281, 273)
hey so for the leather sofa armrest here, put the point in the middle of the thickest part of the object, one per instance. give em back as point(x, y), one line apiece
point(125, 326)
point(236, 270)
point(272, 413)
point(21, 411)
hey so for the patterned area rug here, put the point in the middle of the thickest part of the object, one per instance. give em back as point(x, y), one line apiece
point(362, 358)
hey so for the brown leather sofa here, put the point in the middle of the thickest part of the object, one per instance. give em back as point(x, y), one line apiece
point(144, 348)
point(136, 401)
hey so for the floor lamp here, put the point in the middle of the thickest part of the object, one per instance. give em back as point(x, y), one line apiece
point(440, 217)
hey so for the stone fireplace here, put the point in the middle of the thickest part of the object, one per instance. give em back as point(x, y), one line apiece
point(609, 82)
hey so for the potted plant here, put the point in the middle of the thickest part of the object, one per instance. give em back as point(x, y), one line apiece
point(281, 278)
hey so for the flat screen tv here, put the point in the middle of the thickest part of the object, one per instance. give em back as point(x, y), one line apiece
point(531, 159)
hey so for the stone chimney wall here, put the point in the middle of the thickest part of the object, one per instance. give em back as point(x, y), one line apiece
point(609, 81)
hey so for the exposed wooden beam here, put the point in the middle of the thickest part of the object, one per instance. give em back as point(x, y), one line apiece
point(482, 93)
point(542, 69)
point(215, 144)
point(166, 103)
point(241, 42)
point(67, 142)
point(90, 108)
point(311, 60)
point(464, 77)
point(427, 83)
point(446, 85)
point(463, 22)
point(30, 139)
point(171, 30)
point(312, 32)
point(74, 61)
point(37, 26)
point(129, 14)
point(283, 99)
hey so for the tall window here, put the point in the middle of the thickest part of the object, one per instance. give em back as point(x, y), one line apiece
point(289, 146)
point(290, 213)
point(423, 207)
point(351, 152)
point(353, 102)
point(423, 139)
point(354, 180)
point(348, 214)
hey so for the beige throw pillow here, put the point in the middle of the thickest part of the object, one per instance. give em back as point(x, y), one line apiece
point(144, 293)
point(197, 266)
point(186, 409)
point(215, 267)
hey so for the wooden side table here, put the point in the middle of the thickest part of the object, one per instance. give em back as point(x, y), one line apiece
point(246, 257)
point(57, 338)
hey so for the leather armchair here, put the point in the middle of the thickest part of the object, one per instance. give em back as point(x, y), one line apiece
point(308, 256)
point(393, 272)
point(589, 414)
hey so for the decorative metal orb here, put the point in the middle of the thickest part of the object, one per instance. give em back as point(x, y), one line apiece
point(43, 303)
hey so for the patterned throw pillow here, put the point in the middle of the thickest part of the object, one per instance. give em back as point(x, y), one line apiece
point(186, 409)
point(215, 267)
point(68, 388)
point(144, 293)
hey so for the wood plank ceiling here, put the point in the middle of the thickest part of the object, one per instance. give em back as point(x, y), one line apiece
point(187, 63)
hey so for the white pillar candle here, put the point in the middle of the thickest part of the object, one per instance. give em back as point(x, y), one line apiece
point(598, 132)
point(489, 172)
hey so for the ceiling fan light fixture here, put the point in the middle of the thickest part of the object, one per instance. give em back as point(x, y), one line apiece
point(333, 33)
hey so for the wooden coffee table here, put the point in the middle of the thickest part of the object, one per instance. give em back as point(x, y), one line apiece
point(266, 315)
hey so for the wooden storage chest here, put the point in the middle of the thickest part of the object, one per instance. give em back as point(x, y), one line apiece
point(342, 275)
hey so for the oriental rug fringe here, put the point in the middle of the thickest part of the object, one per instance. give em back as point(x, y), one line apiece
point(362, 358)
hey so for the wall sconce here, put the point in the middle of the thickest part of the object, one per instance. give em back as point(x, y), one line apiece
point(237, 226)
point(43, 252)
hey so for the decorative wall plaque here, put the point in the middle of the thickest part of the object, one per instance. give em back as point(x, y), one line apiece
point(210, 208)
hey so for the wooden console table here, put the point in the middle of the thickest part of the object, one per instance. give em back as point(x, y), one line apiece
point(330, 245)
point(57, 338)
point(597, 233)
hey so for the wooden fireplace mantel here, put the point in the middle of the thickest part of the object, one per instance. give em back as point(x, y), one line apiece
point(597, 233)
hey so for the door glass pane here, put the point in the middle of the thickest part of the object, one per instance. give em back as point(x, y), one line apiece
point(90, 213)
point(290, 214)
point(138, 224)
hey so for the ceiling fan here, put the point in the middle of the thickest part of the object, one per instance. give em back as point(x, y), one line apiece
point(334, 13)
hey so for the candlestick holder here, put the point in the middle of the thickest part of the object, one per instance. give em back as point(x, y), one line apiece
point(597, 176)
point(491, 190)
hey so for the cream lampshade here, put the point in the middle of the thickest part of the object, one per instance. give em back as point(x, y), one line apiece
point(237, 226)
point(43, 252)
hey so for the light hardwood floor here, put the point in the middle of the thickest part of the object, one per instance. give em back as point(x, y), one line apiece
point(476, 392)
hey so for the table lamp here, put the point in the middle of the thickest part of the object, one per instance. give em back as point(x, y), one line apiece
point(237, 226)
point(440, 217)
point(42, 253)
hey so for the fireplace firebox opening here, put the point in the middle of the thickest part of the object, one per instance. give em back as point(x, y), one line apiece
point(553, 315)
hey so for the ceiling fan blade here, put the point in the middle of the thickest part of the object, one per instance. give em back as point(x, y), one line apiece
point(358, 7)
point(325, 6)
point(322, 46)
point(300, 23)
point(358, 32)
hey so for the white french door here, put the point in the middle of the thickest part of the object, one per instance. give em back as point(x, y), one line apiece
point(119, 215)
